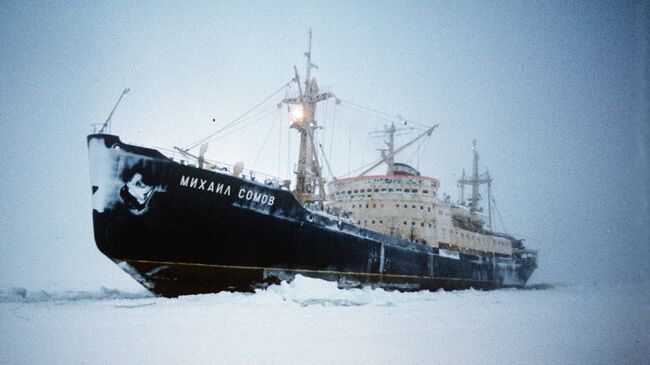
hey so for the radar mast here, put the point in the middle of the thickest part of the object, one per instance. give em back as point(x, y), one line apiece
point(308, 172)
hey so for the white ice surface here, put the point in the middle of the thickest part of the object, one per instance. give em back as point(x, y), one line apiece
point(311, 321)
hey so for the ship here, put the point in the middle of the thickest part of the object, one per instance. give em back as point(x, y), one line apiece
point(189, 225)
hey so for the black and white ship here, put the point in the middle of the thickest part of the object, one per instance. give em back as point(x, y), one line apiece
point(181, 227)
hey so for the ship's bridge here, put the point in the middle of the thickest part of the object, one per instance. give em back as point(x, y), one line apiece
point(400, 204)
point(403, 179)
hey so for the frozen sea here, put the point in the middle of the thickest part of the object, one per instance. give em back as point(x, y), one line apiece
point(311, 321)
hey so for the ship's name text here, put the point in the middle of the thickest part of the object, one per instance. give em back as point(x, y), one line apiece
point(256, 197)
point(201, 184)
point(224, 189)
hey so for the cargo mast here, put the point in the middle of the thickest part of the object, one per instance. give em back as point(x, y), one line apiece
point(308, 172)
point(475, 182)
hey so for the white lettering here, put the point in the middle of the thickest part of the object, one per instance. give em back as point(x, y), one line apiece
point(265, 198)
point(200, 184)
point(271, 200)
point(249, 195)
point(257, 197)
point(185, 180)
point(241, 194)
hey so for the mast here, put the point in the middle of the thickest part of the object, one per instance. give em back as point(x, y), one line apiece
point(390, 160)
point(387, 154)
point(476, 181)
point(392, 153)
point(308, 172)
point(462, 189)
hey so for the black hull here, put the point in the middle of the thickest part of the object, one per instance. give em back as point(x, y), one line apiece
point(181, 230)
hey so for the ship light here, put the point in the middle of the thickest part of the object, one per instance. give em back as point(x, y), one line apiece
point(296, 115)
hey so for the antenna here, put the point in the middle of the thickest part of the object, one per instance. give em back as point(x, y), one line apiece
point(108, 120)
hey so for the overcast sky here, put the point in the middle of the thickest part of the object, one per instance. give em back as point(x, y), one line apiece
point(555, 93)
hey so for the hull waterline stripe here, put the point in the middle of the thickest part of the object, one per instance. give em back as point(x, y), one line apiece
point(239, 267)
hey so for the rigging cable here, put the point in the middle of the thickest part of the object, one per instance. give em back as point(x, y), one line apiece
point(266, 112)
point(332, 129)
point(394, 117)
point(499, 215)
point(370, 109)
point(268, 134)
point(205, 139)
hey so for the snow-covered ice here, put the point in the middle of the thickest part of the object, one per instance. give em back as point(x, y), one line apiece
point(312, 321)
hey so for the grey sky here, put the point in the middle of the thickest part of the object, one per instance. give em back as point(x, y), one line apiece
point(555, 93)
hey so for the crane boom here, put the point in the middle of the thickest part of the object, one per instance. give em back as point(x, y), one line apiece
point(108, 120)
point(390, 155)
